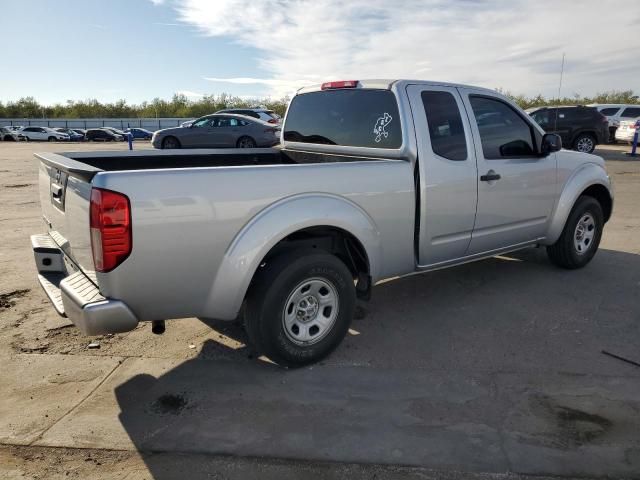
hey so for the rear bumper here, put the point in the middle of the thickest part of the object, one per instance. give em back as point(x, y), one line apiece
point(625, 135)
point(75, 296)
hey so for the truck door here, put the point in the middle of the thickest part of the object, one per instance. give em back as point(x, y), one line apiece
point(516, 185)
point(447, 173)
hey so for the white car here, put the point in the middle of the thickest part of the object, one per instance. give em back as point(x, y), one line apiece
point(615, 113)
point(626, 130)
point(263, 114)
point(43, 133)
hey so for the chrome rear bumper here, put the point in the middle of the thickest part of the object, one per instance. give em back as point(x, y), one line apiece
point(75, 296)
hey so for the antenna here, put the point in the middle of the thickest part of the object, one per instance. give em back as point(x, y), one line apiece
point(555, 127)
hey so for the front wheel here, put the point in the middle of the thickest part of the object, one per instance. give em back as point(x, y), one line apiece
point(581, 235)
point(52, 139)
point(299, 307)
point(170, 142)
point(584, 143)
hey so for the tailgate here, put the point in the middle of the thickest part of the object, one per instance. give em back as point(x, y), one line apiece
point(65, 192)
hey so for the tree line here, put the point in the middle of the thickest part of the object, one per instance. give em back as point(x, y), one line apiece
point(181, 106)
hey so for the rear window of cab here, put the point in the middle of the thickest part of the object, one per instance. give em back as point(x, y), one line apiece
point(346, 117)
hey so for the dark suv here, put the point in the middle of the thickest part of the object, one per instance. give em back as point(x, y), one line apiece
point(581, 128)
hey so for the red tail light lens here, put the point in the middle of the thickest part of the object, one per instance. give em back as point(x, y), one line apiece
point(272, 120)
point(340, 84)
point(110, 223)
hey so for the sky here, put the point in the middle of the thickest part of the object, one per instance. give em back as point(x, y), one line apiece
point(141, 49)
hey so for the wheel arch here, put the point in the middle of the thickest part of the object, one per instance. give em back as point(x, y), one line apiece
point(323, 221)
point(591, 180)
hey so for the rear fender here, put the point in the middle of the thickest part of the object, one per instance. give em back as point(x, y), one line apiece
point(256, 239)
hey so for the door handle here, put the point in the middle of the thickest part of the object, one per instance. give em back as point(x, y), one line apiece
point(490, 176)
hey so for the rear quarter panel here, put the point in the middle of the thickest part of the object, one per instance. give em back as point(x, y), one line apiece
point(185, 221)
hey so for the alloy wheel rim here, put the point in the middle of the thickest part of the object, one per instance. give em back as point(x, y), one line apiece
point(585, 144)
point(310, 311)
point(584, 233)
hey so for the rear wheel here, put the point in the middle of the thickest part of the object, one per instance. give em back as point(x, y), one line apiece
point(52, 139)
point(581, 235)
point(299, 307)
point(246, 142)
point(170, 142)
point(584, 143)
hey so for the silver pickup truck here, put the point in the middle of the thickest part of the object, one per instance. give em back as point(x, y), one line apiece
point(374, 179)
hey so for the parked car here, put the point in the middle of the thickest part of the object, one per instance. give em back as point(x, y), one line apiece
point(102, 135)
point(375, 180)
point(80, 131)
point(219, 131)
point(268, 116)
point(14, 128)
point(615, 113)
point(626, 130)
point(139, 133)
point(122, 136)
point(43, 134)
point(581, 128)
point(9, 135)
point(73, 135)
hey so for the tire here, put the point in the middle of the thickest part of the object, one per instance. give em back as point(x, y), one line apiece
point(246, 142)
point(282, 324)
point(574, 249)
point(51, 139)
point(585, 143)
point(170, 142)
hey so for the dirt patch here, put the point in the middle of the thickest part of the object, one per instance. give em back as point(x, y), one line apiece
point(169, 404)
point(8, 300)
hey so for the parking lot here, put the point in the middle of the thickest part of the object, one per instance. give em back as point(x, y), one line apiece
point(486, 369)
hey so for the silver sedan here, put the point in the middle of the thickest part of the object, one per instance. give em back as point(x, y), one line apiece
point(219, 131)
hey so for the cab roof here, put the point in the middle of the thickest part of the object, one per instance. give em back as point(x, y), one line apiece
point(388, 84)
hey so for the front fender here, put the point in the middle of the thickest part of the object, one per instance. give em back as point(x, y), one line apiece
point(267, 228)
point(587, 175)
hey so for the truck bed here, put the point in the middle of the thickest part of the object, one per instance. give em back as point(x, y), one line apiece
point(190, 207)
point(86, 164)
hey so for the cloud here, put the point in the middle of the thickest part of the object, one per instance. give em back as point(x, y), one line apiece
point(190, 94)
point(513, 44)
point(157, 2)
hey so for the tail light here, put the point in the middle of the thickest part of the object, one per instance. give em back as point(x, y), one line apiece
point(110, 223)
point(340, 84)
point(272, 120)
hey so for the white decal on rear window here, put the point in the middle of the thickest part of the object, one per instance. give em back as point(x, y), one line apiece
point(379, 128)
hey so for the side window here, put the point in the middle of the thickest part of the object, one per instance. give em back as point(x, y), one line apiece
point(445, 125)
point(503, 133)
point(203, 122)
point(234, 122)
point(28, 129)
point(542, 118)
point(631, 112)
point(607, 112)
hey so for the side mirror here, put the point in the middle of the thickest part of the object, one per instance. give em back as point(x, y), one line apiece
point(550, 143)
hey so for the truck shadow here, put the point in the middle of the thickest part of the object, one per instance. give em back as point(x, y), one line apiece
point(440, 370)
